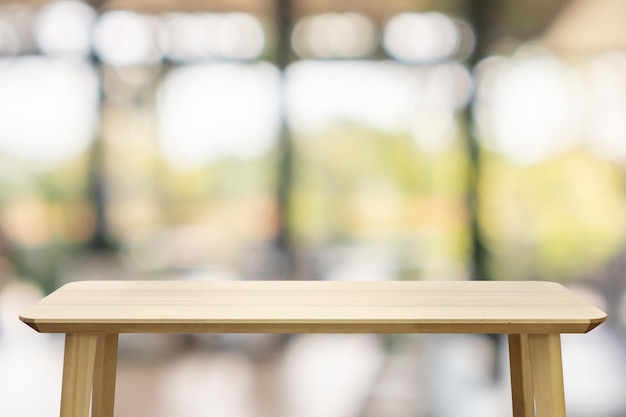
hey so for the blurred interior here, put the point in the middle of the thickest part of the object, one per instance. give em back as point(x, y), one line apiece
point(309, 139)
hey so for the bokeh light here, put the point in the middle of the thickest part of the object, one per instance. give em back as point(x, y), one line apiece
point(156, 133)
point(200, 36)
point(49, 110)
point(422, 37)
point(127, 38)
point(528, 109)
point(387, 96)
point(64, 28)
point(213, 111)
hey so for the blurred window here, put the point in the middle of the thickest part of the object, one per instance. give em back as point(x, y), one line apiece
point(201, 36)
point(216, 111)
point(377, 142)
point(191, 116)
point(48, 109)
point(169, 124)
point(552, 129)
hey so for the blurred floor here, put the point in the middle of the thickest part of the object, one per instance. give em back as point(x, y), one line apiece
point(304, 375)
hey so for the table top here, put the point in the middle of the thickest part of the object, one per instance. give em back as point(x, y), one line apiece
point(313, 307)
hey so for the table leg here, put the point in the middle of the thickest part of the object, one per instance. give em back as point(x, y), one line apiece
point(80, 351)
point(547, 369)
point(104, 376)
point(521, 376)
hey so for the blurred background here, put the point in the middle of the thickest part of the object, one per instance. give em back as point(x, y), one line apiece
point(310, 139)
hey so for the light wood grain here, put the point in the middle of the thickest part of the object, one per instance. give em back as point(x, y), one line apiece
point(547, 369)
point(92, 313)
point(80, 350)
point(521, 376)
point(312, 306)
point(105, 368)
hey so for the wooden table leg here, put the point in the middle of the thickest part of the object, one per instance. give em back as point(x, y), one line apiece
point(104, 376)
point(521, 376)
point(547, 369)
point(80, 351)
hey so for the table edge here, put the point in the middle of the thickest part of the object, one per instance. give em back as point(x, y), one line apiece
point(317, 326)
point(510, 326)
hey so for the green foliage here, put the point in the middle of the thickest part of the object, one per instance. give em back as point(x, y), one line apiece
point(560, 219)
point(359, 185)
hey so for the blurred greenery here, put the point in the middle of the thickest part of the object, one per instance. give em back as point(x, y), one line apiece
point(560, 219)
point(359, 186)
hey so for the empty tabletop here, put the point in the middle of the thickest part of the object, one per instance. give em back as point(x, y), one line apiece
point(313, 307)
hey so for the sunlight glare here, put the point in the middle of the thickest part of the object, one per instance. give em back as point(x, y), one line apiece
point(49, 110)
point(529, 109)
point(386, 96)
point(215, 111)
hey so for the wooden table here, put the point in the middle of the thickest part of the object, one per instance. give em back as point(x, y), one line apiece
point(93, 313)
